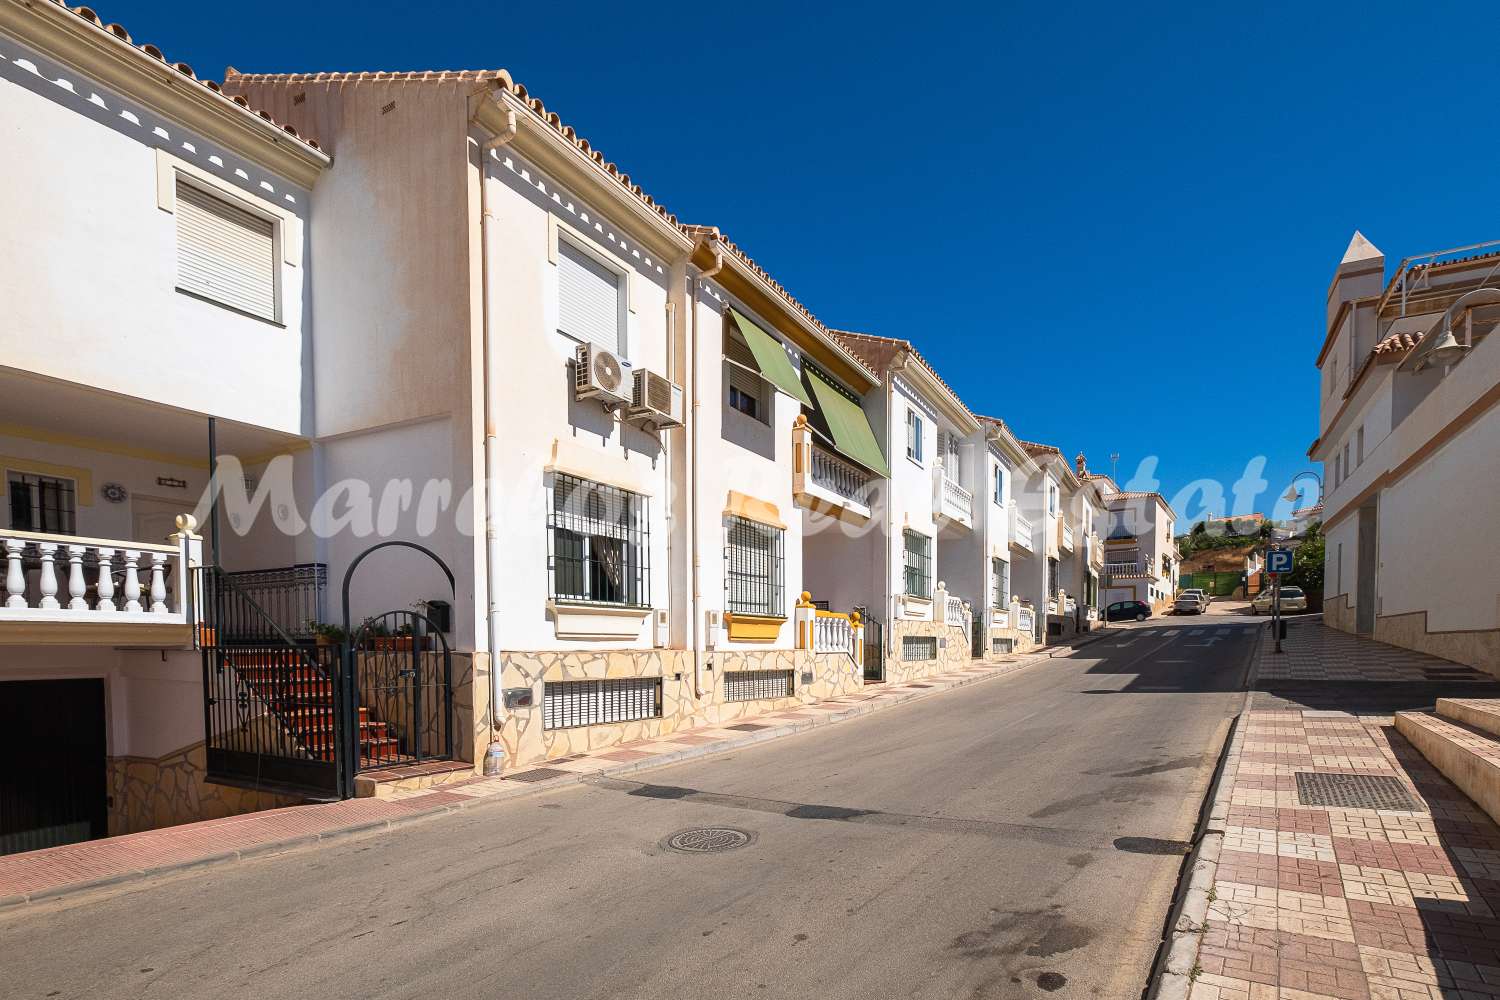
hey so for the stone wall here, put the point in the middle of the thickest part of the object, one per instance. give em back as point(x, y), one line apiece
point(147, 793)
point(953, 651)
point(815, 677)
point(1338, 613)
point(1479, 649)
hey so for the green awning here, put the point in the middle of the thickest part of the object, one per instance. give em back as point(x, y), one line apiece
point(847, 425)
point(775, 366)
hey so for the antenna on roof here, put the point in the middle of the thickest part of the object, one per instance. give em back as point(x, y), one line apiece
point(1114, 463)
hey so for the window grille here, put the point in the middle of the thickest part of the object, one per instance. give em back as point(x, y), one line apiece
point(599, 536)
point(757, 685)
point(1052, 577)
point(1005, 645)
point(999, 583)
point(225, 253)
point(570, 704)
point(919, 647)
point(753, 568)
point(42, 503)
point(918, 565)
point(588, 298)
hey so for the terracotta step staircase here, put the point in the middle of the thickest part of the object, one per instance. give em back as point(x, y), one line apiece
point(1461, 738)
point(301, 698)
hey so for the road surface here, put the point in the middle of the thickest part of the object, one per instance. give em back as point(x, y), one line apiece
point(997, 840)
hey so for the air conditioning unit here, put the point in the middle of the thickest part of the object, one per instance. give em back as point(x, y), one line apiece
point(598, 374)
point(655, 400)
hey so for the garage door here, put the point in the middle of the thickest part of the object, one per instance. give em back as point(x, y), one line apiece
point(52, 784)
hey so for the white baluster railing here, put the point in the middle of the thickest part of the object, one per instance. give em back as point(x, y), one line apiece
point(832, 633)
point(1021, 529)
point(153, 579)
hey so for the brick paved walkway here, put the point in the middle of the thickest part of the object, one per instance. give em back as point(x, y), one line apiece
point(42, 874)
point(1315, 901)
point(1315, 652)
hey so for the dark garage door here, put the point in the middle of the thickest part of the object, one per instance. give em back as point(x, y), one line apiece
point(52, 780)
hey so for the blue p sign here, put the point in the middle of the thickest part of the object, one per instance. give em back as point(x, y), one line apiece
point(1279, 561)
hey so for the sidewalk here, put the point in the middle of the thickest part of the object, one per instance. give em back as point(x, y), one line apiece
point(1346, 866)
point(58, 871)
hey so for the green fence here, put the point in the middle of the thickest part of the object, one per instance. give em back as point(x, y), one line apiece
point(1221, 584)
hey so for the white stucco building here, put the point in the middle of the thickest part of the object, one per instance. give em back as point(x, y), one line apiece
point(1408, 422)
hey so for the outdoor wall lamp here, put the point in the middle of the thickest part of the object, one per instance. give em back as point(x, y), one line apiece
point(1294, 493)
point(1445, 352)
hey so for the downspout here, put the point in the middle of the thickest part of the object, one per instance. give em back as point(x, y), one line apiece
point(692, 477)
point(498, 138)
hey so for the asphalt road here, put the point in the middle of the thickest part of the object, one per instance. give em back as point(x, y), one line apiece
point(964, 845)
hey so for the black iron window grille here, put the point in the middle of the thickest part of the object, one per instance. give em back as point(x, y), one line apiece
point(918, 565)
point(758, 685)
point(753, 568)
point(599, 544)
point(570, 704)
point(1052, 575)
point(46, 504)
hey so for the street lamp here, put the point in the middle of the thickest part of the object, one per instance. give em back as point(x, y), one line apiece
point(1294, 494)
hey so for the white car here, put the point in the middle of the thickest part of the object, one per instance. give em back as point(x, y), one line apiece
point(1292, 599)
point(1188, 603)
point(1201, 594)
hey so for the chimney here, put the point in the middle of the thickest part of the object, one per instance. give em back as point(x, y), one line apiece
point(1083, 466)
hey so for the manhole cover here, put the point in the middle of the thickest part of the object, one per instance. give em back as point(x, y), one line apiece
point(1151, 845)
point(1353, 791)
point(708, 840)
point(537, 774)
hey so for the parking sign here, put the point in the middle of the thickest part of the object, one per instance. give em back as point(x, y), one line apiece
point(1279, 561)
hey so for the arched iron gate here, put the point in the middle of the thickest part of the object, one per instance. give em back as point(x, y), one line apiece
point(398, 684)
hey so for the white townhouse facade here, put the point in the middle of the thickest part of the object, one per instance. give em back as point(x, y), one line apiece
point(929, 437)
point(984, 566)
point(159, 300)
point(1141, 561)
point(1408, 419)
point(1057, 501)
point(645, 400)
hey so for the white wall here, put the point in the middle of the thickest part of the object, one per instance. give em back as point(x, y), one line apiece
point(89, 273)
point(911, 492)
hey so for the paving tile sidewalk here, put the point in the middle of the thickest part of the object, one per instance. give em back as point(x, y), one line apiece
point(1346, 901)
point(57, 871)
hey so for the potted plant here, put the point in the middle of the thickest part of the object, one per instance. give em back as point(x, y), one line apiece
point(327, 634)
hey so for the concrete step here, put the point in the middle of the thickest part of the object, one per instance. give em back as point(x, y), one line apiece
point(1480, 713)
point(1468, 757)
point(387, 783)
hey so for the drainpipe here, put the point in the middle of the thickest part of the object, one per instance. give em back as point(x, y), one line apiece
point(498, 137)
point(692, 477)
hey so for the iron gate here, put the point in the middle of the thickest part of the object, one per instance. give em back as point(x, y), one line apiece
point(401, 695)
point(874, 651)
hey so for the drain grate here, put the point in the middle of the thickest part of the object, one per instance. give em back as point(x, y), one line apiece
point(708, 840)
point(1354, 791)
point(749, 727)
point(537, 774)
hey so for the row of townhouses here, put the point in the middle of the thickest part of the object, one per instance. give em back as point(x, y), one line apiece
point(363, 426)
point(1408, 419)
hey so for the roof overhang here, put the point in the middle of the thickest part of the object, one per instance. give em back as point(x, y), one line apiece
point(120, 66)
point(915, 370)
point(565, 162)
point(750, 287)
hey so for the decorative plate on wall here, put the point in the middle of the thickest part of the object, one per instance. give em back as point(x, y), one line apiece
point(114, 492)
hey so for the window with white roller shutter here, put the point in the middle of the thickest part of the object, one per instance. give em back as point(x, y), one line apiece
point(225, 253)
point(589, 299)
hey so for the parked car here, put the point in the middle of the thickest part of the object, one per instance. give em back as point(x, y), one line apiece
point(1202, 595)
point(1128, 611)
point(1292, 599)
point(1188, 603)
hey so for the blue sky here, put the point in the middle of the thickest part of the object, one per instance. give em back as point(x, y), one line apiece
point(1130, 213)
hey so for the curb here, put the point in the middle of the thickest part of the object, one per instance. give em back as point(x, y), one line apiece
point(519, 791)
point(1177, 962)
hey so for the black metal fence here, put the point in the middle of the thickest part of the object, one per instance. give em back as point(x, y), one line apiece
point(291, 596)
point(401, 695)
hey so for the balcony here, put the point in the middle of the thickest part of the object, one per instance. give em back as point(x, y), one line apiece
point(1093, 551)
point(827, 483)
point(1022, 531)
point(951, 502)
point(67, 590)
point(1064, 535)
point(1125, 570)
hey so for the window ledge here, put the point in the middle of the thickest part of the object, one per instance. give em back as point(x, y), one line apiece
point(753, 628)
point(597, 621)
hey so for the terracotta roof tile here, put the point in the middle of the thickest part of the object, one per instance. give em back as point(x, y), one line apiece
point(1398, 343)
point(748, 261)
point(878, 352)
point(87, 14)
point(549, 118)
point(1038, 450)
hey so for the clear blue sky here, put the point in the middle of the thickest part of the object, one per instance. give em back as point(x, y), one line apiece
point(1113, 226)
